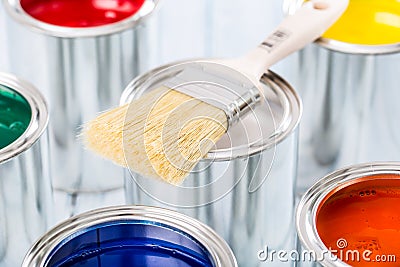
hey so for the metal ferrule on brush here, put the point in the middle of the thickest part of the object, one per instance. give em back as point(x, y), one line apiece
point(234, 99)
point(242, 105)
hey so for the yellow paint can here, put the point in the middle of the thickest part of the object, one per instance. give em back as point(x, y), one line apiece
point(368, 22)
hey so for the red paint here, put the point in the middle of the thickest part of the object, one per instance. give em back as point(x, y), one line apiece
point(81, 13)
point(367, 215)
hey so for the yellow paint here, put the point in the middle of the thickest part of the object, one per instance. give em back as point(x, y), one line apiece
point(368, 22)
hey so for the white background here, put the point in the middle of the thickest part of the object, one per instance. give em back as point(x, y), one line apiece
point(3, 39)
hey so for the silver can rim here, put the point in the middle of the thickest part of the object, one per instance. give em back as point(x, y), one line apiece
point(292, 114)
point(290, 6)
point(15, 10)
point(358, 49)
point(220, 252)
point(39, 116)
point(306, 211)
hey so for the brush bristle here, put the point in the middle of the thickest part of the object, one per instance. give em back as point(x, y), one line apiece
point(162, 135)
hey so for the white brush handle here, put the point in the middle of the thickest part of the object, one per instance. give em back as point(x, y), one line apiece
point(295, 32)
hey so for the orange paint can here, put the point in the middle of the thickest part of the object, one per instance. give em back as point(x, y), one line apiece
point(352, 217)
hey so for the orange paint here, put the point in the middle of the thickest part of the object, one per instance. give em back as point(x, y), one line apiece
point(366, 213)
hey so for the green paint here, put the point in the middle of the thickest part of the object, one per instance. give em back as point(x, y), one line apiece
point(15, 115)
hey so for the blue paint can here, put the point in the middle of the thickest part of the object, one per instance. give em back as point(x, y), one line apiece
point(125, 236)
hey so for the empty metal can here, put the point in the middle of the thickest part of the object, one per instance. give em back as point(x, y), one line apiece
point(82, 64)
point(244, 188)
point(130, 236)
point(349, 93)
point(25, 185)
point(360, 203)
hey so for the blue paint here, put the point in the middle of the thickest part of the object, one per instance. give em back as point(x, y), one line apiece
point(128, 244)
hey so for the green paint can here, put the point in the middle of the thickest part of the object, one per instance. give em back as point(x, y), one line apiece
point(25, 187)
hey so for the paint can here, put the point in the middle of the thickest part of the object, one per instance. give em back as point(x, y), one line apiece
point(25, 184)
point(360, 203)
point(349, 91)
point(130, 236)
point(82, 64)
point(244, 188)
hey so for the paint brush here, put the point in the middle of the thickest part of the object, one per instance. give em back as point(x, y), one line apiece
point(168, 130)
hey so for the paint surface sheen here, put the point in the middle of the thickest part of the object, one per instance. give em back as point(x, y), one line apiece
point(81, 13)
point(15, 116)
point(127, 244)
point(368, 22)
point(366, 215)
